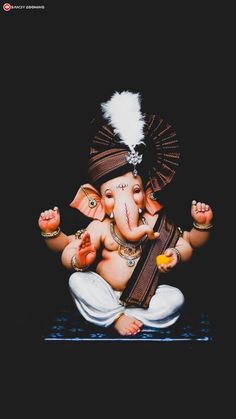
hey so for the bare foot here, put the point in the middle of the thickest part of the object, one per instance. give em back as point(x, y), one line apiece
point(126, 325)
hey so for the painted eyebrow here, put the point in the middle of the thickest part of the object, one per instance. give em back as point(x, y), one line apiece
point(108, 189)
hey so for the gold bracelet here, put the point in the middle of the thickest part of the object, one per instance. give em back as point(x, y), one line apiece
point(177, 252)
point(76, 267)
point(51, 234)
point(202, 227)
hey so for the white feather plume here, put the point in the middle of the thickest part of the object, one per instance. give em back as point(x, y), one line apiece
point(123, 113)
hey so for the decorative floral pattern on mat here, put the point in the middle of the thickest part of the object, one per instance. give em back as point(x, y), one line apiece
point(69, 326)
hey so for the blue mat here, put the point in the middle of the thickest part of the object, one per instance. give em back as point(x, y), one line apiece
point(70, 326)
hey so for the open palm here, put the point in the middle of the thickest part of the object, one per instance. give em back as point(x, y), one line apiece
point(86, 252)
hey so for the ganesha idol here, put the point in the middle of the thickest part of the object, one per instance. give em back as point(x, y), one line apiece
point(129, 241)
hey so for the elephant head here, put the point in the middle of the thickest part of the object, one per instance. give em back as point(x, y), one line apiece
point(122, 197)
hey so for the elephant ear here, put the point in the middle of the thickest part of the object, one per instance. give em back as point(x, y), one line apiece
point(152, 205)
point(88, 201)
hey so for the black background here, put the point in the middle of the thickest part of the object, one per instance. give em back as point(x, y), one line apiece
point(58, 65)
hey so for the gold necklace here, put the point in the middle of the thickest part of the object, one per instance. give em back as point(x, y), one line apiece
point(128, 250)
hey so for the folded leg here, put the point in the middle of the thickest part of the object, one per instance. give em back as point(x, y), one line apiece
point(94, 298)
point(164, 308)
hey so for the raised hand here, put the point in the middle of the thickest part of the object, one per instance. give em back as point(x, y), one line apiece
point(201, 213)
point(86, 252)
point(49, 220)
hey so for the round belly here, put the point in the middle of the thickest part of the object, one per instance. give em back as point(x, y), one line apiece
point(115, 270)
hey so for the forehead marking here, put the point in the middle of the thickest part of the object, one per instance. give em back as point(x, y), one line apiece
point(122, 186)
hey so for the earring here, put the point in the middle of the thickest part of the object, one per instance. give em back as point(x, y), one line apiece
point(111, 215)
point(91, 201)
point(140, 210)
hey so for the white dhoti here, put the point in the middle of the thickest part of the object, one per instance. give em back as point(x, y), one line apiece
point(99, 303)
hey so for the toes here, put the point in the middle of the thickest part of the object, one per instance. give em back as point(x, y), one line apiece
point(132, 330)
point(138, 323)
point(135, 328)
point(135, 331)
point(126, 331)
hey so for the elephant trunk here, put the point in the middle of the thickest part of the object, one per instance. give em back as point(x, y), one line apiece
point(127, 220)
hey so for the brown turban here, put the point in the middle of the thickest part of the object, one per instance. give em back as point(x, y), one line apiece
point(155, 156)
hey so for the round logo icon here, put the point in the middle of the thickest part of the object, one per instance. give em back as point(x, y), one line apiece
point(6, 7)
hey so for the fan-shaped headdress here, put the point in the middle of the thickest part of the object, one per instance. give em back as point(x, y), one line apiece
point(126, 140)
